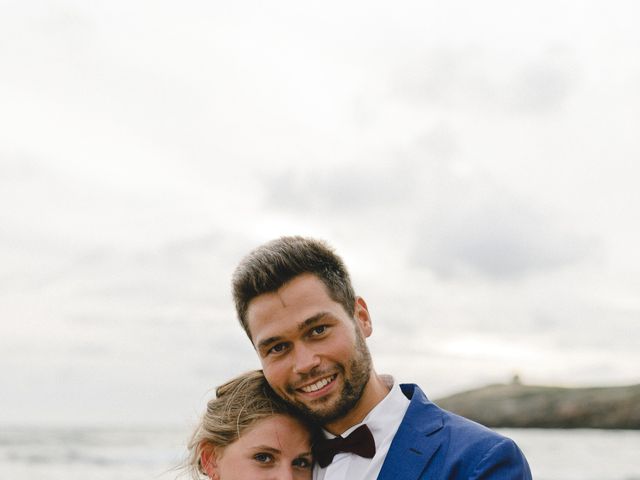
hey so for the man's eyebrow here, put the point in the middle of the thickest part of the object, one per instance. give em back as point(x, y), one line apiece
point(318, 317)
point(268, 341)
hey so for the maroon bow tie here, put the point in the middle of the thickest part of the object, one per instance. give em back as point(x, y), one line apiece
point(360, 442)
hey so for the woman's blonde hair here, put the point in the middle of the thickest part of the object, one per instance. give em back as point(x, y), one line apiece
point(239, 403)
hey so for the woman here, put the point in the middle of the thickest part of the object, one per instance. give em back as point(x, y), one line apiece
point(248, 433)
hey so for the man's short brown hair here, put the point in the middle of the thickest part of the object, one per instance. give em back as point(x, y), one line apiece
point(270, 266)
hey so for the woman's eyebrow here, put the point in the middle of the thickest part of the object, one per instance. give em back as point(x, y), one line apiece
point(265, 448)
point(269, 449)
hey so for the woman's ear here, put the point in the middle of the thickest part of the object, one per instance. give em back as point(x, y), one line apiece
point(208, 462)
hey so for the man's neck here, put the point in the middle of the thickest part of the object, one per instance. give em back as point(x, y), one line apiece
point(374, 391)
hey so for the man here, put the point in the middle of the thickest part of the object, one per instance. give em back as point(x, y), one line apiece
point(295, 301)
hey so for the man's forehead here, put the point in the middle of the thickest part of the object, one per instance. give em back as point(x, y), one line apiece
point(266, 305)
point(275, 311)
point(288, 308)
point(303, 289)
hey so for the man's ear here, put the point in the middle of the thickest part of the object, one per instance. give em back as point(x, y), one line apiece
point(208, 461)
point(362, 317)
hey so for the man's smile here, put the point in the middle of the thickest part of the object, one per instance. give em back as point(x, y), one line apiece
point(318, 386)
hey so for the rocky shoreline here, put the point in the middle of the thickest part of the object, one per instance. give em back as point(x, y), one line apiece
point(528, 406)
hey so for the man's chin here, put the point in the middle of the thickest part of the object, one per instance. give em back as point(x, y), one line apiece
point(322, 411)
point(318, 406)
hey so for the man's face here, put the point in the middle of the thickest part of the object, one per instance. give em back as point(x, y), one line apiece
point(313, 353)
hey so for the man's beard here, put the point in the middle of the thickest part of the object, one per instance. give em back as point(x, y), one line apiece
point(359, 370)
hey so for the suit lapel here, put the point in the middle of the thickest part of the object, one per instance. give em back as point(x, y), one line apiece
point(415, 442)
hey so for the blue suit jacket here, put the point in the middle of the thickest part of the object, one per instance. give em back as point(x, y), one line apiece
point(434, 444)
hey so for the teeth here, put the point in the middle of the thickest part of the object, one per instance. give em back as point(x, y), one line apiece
point(317, 386)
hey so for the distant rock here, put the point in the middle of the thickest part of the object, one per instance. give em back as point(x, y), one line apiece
point(527, 406)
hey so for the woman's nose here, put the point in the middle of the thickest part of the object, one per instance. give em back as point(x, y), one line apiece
point(285, 472)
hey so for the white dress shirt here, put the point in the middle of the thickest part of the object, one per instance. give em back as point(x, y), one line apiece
point(383, 421)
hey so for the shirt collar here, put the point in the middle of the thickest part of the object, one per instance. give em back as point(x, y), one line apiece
point(385, 416)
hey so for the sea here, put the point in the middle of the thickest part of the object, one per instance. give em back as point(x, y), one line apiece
point(157, 453)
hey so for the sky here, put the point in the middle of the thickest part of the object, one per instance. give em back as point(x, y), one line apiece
point(474, 163)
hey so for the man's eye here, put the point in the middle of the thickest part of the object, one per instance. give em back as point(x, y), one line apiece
point(278, 348)
point(319, 330)
point(302, 462)
point(263, 457)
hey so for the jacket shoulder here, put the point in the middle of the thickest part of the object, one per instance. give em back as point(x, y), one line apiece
point(466, 448)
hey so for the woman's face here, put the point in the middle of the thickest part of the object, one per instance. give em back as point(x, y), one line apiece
point(274, 448)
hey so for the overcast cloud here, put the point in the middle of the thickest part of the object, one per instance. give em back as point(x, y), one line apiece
point(474, 163)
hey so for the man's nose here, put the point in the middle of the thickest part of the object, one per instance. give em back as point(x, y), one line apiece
point(306, 359)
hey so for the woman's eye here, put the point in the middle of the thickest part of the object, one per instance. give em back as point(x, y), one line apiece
point(302, 462)
point(263, 457)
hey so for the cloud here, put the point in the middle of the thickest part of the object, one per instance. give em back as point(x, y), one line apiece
point(453, 217)
point(344, 189)
point(182, 272)
point(481, 79)
point(545, 83)
point(497, 237)
point(16, 167)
